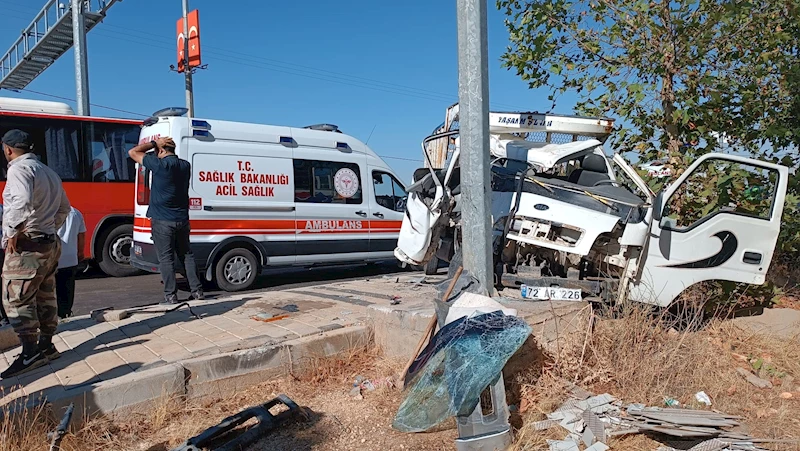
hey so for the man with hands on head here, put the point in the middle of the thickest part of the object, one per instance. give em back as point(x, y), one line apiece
point(169, 213)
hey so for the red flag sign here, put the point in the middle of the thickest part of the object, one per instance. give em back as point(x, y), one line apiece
point(194, 40)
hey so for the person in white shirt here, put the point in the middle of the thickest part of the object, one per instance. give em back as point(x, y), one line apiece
point(3, 316)
point(72, 235)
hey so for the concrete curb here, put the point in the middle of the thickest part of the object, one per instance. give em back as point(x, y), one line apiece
point(399, 329)
point(220, 375)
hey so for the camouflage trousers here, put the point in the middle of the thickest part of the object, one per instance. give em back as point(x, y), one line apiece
point(29, 287)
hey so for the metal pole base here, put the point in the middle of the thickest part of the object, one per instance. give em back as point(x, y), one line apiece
point(495, 441)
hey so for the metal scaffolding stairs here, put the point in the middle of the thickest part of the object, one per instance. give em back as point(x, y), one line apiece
point(46, 39)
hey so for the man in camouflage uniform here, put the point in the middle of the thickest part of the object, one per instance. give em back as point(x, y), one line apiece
point(34, 207)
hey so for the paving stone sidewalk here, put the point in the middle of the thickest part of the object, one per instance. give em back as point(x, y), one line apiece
point(93, 352)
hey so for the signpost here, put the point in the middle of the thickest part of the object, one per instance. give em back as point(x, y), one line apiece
point(188, 31)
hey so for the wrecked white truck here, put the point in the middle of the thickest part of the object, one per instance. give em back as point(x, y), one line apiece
point(588, 222)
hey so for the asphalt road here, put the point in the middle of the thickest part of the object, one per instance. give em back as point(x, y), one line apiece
point(94, 290)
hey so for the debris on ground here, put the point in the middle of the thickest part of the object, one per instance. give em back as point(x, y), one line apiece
point(449, 375)
point(395, 299)
point(268, 317)
point(291, 308)
point(361, 385)
point(61, 430)
point(219, 436)
point(592, 420)
point(753, 379)
point(411, 280)
point(702, 398)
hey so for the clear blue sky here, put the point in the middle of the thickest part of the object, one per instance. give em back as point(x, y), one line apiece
point(358, 64)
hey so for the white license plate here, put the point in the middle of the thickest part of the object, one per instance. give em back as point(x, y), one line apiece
point(550, 293)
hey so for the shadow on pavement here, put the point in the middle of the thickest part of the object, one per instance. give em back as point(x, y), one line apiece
point(73, 378)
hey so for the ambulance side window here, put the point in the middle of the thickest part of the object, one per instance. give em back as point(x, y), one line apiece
point(327, 182)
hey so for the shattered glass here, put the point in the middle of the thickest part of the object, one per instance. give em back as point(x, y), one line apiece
point(462, 359)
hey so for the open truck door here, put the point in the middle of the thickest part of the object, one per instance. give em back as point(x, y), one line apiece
point(730, 216)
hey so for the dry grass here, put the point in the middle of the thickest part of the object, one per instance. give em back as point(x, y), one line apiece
point(641, 358)
point(636, 357)
point(338, 420)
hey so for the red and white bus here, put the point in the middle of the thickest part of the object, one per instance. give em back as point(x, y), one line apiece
point(90, 154)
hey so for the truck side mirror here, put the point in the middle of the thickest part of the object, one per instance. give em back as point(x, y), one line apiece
point(658, 205)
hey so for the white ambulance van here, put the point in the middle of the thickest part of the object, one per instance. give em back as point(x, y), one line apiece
point(268, 196)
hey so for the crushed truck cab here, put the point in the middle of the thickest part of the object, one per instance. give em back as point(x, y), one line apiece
point(588, 222)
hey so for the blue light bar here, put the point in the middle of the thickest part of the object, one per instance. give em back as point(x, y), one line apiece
point(287, 140)
point(341, 145)
point(202, 133)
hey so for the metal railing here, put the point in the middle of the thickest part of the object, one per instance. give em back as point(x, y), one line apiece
point(46, 39)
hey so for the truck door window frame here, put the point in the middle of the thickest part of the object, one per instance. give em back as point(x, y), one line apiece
point(772, 175)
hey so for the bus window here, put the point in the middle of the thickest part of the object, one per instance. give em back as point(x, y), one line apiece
point(107, 151)
point(55, 142)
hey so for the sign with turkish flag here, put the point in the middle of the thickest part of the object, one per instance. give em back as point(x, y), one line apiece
point(194, 40)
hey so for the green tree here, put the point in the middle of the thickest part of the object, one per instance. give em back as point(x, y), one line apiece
point(676, 71)
point(679, 74)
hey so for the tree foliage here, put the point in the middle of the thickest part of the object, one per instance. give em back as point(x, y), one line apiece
point(685, 76)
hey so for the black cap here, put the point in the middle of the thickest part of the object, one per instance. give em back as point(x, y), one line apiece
point(17, 139)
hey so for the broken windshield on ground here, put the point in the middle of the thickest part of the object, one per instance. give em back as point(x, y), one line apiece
point(464, 357)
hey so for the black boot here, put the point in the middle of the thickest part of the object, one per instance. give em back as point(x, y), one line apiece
point(47, 347)
point(29, 359)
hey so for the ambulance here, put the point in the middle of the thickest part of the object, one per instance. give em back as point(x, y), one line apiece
point(265, 196)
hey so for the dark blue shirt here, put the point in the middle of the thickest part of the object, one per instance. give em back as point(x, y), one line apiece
point(169, 193)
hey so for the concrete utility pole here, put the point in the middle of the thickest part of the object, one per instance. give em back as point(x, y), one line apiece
point(186, 70)
point(473, 98)
point(81, 58)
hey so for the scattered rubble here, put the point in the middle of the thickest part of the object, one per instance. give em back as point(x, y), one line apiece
point(592, 420)
point(753, 379)
point(226, 431)
point(360, 385)
point(268, 317)
point(61, 430)
point(703, 398)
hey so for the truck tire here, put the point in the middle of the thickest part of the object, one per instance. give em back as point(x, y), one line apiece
point(236, 270)
point(114, 257)
point(432, 267)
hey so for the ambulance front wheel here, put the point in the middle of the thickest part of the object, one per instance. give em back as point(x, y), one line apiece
point(236, 270)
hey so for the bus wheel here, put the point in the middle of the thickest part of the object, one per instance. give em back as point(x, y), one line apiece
point(115, 256)
point(236, 270)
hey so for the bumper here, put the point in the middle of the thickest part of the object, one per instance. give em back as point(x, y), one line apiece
point(144, 257)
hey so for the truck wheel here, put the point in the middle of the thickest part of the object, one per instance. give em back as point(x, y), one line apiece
point(114, 257)
point(236, 270)
point(432, 267)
